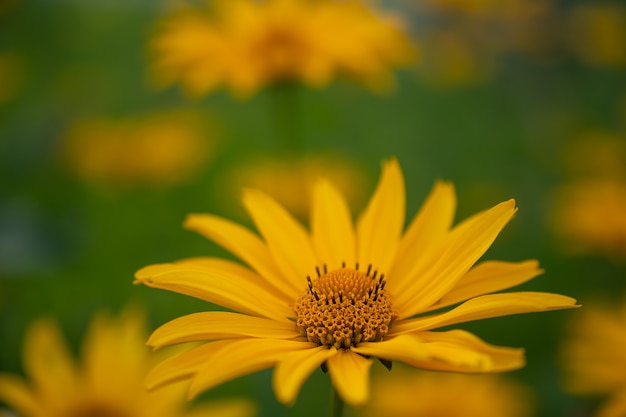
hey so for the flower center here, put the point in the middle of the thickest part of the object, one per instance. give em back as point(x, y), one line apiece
point(345, 307)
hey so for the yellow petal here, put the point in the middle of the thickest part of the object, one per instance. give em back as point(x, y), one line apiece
point(220, 286)
point(215, 325)
point(210, 264)
point(241, 357)
point(294, 368)
point(488, 306)
point(461, 351)
point(48, 363)
point(114, 350)
point(431, 223)
point(489, 277)
point(331, 227)
point(405, 348)
point(18, 396)
point(184, 365)
point(288, 242)
point(380, 226)
point(458, 251)
point(246, 246)
point(349, 373)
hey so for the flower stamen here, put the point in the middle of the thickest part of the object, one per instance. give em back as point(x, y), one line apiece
point(344, 307)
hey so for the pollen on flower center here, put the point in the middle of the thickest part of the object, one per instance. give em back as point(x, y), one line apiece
point(345, 307)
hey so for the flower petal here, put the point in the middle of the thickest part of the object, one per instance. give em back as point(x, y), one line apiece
point(380, 226)
point(19, 397)
point(331, 226)
point(431, 223)
point(489, 277)
point(49, 365)
point(349, 373)
point(461, 351)
point(456, 254)
point(214, 325)
point(210, 264)
point(241, 357)
point(219, 285)
point(405, 348)
point(245, 245)
point(113, 349)
point(288, 242)
point(488, 306)
point(183, 365)
point(294, 368)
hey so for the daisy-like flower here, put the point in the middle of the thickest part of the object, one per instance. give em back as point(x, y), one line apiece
point(245, 45)
point(339, 295)
point(108, 381)
point(594, 357)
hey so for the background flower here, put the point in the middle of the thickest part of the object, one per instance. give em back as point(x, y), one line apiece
point(594, 358)
point(107, 381)
point(245, 45)
point(411, 393)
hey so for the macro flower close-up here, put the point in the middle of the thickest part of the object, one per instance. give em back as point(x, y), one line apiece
point(108, 381)
point(245, 45)
point(342, 294)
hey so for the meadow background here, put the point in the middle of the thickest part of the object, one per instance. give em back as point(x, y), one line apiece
point(499, 112)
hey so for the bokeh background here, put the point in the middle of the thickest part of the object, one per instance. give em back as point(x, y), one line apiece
point(98, 168)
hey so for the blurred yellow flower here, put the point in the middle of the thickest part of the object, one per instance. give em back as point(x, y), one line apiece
point(107, 382)
point(341, 294)
point(244, 45)
point(594, 356)
point(588, 210)
point(463, 41)
point(589, 217)
point(411, 393)
point(597, 33)
point(160, 148)
point(289, 179)
point(11, 75)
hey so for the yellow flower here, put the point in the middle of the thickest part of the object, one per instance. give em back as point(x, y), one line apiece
point(342, 294)
point(405, 393)
point(160, 148)
point(245, 45)
point(589, 217)
point(594, 356)
point(288, 179)
point(107, 382)
point(597, 33)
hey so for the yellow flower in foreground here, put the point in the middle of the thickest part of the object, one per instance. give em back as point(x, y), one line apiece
point(339, 295)
point(405, 393)
point(160, 148)
point(594, 357)
point(109, 380)
point(244, 45)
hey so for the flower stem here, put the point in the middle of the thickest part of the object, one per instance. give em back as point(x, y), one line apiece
point(336, 405)
point(285, 108)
